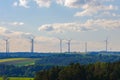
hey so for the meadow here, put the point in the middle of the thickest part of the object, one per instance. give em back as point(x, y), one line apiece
point(18, 78)
point(18, 61)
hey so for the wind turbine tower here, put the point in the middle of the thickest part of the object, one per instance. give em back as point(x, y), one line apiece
point(60, 45)
point(69, 46)
point(86, 47)
point(106, 44)
point(7, 45)
point(32, 45)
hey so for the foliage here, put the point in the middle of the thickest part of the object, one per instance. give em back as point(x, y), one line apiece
point(22, 71)
point(66, 59)
point(97, 71)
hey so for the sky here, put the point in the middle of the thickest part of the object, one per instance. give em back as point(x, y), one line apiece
point(47, 21)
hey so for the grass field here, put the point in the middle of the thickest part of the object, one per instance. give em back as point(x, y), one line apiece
point(18, 61)
point(18, 78)
point(1, 78)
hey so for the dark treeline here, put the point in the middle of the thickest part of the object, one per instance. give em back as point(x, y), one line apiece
point(23, 71)
point(41, 55)
point(96, 71)
point(66, 59)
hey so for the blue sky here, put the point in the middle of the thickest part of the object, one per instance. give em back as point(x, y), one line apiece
point(80, 20)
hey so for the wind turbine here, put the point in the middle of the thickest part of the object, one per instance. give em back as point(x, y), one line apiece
point(32, 45)
point(69, 46)
point(106, 44)
point(86, 46)
point(60, 45)
point(30, 37)
point(7, 44)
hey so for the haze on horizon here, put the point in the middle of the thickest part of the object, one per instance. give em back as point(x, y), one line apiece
point(90, 21)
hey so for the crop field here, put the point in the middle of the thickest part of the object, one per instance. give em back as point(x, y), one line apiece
point(18, 78)
point(18, 61)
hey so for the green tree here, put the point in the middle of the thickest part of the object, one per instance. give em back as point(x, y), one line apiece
point(72, 72)
point(53, 73)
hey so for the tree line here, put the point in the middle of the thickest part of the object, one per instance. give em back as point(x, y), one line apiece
point(66, 59)
point(96, 71)
point(22, 71)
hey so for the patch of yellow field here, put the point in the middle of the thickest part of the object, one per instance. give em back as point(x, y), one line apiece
point(12, 59)
point(18, 61)
point(18, 78)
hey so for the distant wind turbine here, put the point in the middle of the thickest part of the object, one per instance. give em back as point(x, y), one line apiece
point(31, 38)
point(86, 47)
point(69, 46)
point(60, 45)
point(7, 44)
point(106, 44)
point(32, 45)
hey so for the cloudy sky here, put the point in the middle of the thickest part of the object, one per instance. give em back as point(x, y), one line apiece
point(81, 21)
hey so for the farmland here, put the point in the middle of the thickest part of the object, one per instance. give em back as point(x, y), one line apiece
point(18, 61)
point(18, 78)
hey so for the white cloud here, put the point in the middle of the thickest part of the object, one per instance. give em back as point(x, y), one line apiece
point(22, 3)
point(107, 14)
point(40, 3)
point(47, 3)
point(4, 32)
point(27, 35)
point(81, 3)
point(46, 40)
point(103, 24)
point(88, 7)
point(89, 10)
point(16, 23)
point(71, 3)
point(43, 3)
point(15, 4)
point(63, 27)
point(78, 27)
point(107, 24)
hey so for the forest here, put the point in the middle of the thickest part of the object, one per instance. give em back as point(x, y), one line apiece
point(96, 71)
point(66, 59)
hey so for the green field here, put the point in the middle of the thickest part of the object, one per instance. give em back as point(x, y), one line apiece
point(1, 78)
point(18, 61)
point(18, 78)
